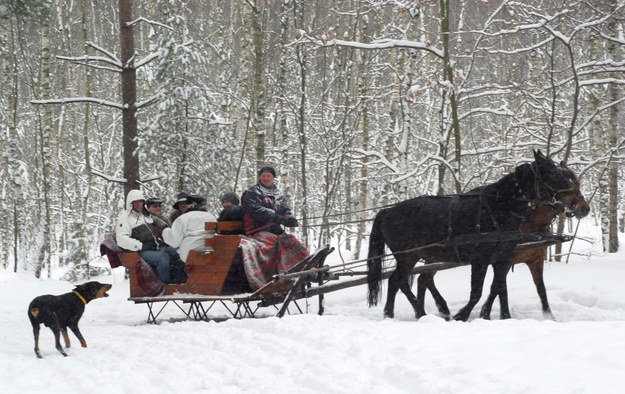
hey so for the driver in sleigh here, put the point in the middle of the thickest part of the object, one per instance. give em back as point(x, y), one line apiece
point(268, 249)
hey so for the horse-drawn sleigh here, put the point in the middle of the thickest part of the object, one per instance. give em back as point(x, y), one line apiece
point(499, 224)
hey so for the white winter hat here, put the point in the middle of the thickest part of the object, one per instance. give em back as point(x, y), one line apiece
point(134, 195)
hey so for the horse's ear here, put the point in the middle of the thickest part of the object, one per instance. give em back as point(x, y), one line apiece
point(562, 164)
point(538, 155)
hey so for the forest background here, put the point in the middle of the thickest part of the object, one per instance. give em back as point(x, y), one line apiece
point(357, 103)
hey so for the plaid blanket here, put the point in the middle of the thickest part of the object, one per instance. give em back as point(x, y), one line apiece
point(146, 277)
point(266, 254)
point(109, 248)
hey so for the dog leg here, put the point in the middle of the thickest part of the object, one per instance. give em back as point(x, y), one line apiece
point(76, 331)
point(56, 329)
point(68, 344)
point(36, 334)
point(57, 339)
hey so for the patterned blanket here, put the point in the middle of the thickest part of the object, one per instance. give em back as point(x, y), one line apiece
point(109, 248)
point(146, 277)
point(266, 254)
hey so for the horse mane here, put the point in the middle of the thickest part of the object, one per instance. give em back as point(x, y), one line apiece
point(514, 185)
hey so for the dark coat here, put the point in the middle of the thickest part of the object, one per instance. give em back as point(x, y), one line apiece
point(234, 213)
point(264, 207)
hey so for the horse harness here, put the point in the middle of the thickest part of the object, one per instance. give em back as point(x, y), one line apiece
point(520, 195)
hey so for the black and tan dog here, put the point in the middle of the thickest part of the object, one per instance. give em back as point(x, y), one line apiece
point(60, 312)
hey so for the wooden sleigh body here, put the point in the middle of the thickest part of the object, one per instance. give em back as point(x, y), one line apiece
point(216, 276)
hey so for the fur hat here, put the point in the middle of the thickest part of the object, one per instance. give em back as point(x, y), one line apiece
point(268, 169)
point(182, 197)
point(230, 196)
point(196, 199)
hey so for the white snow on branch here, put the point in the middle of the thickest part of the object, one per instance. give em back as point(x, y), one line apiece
point(108, 53)
point(544, 20)
point(78, 100)
point(380, 158)
point(147, 59)
point(86, 58)
point(602, 81)
point(149, 101)
point(523, 49)
point(377, 44)
point(107, 177)
point(150, 22)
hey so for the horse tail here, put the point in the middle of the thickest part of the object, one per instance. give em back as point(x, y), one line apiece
point(374, 260)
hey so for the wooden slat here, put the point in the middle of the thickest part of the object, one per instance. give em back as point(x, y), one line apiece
point(129, 260)
point(192, 288)
point(198, 257)
point(209, 242)
point(229, 226)
point(207, 268)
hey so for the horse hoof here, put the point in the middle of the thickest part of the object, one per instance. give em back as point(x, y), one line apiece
point(549, 316)
point(460, 317)
point(389, 315)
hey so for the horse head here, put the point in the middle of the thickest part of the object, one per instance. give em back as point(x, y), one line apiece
point(574, 202)
point(557, 183)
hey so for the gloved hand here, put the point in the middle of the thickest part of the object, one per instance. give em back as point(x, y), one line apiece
point(291, 222)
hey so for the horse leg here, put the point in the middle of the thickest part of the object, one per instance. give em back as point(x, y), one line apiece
point(419, 306)
point(393, 288)
point(536, 269)
point(500, 272)
point(441, 304)
point(405, 285)
point(405, 288)
point(488, 304)
point(478, 273)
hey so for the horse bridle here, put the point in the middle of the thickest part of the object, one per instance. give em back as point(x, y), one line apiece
point(556, 194)
point(538, 182)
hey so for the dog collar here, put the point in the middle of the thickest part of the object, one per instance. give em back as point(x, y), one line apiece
point(80, 296)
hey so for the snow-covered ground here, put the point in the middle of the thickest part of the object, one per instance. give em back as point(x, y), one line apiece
point(351, 349)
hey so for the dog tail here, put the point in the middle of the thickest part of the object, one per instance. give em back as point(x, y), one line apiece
point(33, 312)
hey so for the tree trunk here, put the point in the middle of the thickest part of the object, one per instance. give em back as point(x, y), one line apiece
point(613, 136)
point(364, 93)
point(449, 77)
point(259, 83)
point(82, 226)
point(14, 202)
point(46, 155)
point(129, 97)
point(303, 138)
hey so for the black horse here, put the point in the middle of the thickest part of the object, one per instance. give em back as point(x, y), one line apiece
point(480, 228)
point(537, 221)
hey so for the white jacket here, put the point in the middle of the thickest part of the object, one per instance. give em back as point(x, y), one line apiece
point(188, 232)
point(129, 219)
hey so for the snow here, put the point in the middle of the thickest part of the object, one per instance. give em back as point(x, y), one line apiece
point(349, 349)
